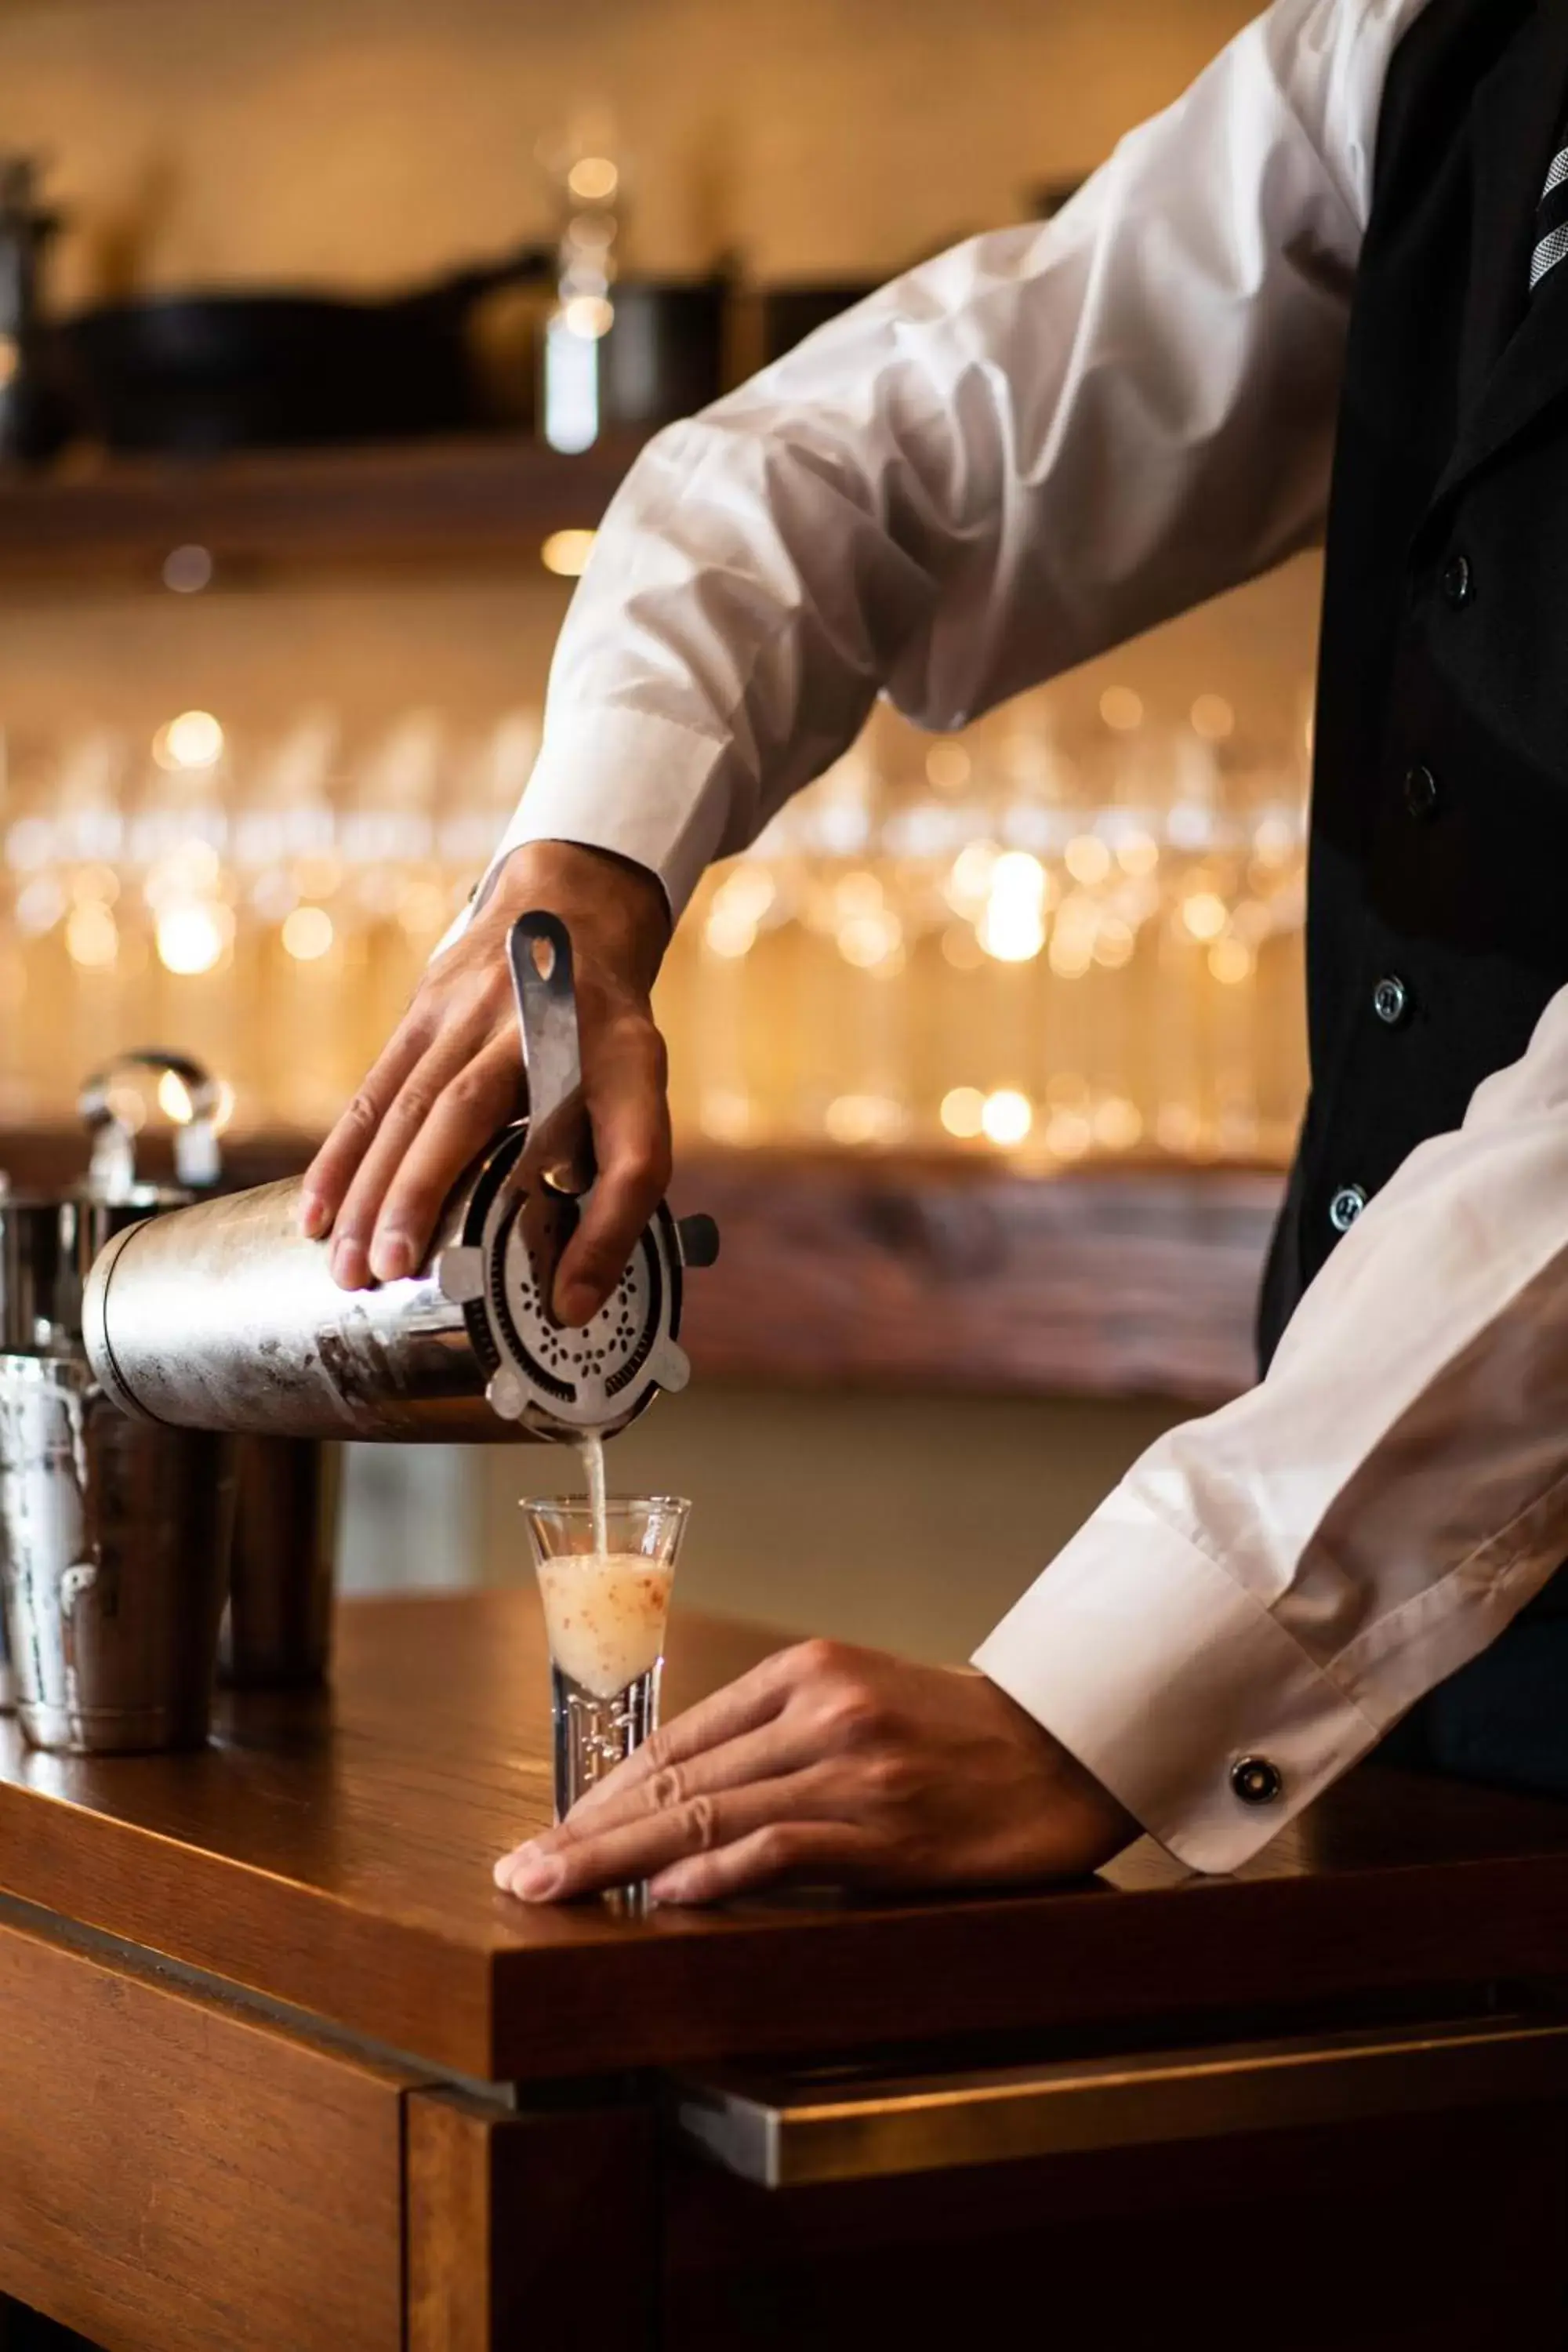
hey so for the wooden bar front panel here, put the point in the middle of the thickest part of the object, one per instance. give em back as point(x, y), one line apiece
point(528, 2229)
point(176, 2176)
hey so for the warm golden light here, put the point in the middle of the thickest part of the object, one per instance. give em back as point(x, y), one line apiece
point(592, 179)
point(92, 935)
point(869, 941)
point(1121, 709)
point(10, 360)
point(588, 316)
point(308, 934)
point(95, 882)
point(971, 877)
point(859, 1119)
point(729, 933)
point(947, 766)
point(1137, 853)
point(1068, 1135)
point(748, 892)
point(174, 1099)
point(1007, 1117)
point(725, 1115)
point(1012, 930)
point(1204, 915)
point(857, 895)
point(192, 937)
point(962, 1113)
point(1114, 942)
point(1087, 859)
point(193, 740)
point(566, 553)
point(192, 871)
point(1231, 961)
point(1118, 1124)
point(1212, 719)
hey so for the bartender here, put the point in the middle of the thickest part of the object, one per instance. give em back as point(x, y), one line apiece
point(1327, 291)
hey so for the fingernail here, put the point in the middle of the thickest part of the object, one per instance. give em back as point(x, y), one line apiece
point(348, 1268)
point(670, 1886)
point(535, 1876)
point(313, 1217)
point(391, 1257)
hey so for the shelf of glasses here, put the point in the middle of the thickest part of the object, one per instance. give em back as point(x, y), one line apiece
point(938, 1273)
point(490, 499)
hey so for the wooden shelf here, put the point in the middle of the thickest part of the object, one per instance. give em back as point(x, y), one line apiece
point(945, 1276)
point(485, 500)
point(950, 1275)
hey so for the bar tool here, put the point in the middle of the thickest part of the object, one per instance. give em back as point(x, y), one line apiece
point(224, 1316)
point(113, 1535)
point(276, 1634)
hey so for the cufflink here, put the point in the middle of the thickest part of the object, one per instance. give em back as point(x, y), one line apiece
point(1256, 1780)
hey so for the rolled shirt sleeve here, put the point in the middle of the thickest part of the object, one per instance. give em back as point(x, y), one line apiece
point(1016, 456)
point(1276, 1585)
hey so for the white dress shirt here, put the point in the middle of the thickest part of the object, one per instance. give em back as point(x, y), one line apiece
point(1016, 456)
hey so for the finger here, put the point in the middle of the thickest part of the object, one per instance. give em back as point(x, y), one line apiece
point(834, 1852)
point(467, 1113)
point(742, 1705)
point(558, 1865)
point(782, 1746)
point(629, 1113)
point(405, 1115)
point(331, 1173)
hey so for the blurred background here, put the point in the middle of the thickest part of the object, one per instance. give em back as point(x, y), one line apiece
point(325, 335)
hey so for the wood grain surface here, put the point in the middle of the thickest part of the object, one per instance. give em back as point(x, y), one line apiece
point(956, 1273)
point(336, 1855)
point(176, 2178)
point(533, 2228)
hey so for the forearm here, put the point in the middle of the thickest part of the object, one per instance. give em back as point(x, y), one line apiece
point(1286, 1579)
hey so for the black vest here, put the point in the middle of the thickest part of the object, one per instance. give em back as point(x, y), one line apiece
point(1439, 852)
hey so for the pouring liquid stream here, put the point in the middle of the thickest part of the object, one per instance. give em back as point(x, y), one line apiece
point(591, 1452)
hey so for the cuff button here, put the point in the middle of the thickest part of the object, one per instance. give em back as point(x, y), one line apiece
point(1256, 1780)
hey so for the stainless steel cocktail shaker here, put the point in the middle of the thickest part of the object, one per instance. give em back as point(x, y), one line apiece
point(223, 1316)
point(113, 1535)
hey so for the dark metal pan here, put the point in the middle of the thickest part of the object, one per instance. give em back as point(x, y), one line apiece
point(196, 374)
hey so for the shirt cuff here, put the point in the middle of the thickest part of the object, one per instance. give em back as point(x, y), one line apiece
point(1162, 1676)
point(631, 783)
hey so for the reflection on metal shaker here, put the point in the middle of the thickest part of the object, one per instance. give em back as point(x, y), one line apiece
point(278, 1632)
point(115, 1551)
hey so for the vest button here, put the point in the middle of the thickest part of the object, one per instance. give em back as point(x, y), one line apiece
point(1256, 1781)
point(1346, 1207)
point(1391, 1001)
point(1459, 582)
point(1421, 792)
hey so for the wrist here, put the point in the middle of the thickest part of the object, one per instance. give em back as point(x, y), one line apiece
point(615, 910)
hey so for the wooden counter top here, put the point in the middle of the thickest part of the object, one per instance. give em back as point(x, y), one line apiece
point(334, 1856)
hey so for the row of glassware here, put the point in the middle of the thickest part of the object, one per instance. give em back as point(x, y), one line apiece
point(988, 942)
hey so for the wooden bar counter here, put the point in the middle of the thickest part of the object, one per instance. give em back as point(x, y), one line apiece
point(279, 2068)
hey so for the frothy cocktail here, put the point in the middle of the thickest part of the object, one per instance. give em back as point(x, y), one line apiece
point(605, 1616)
point(605, 1568)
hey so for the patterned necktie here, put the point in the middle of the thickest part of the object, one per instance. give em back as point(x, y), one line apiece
point(1551, 222)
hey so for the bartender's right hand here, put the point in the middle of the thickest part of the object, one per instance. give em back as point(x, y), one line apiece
point(452, 1076)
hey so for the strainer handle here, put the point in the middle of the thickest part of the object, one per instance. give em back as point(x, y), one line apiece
point(560, 1148)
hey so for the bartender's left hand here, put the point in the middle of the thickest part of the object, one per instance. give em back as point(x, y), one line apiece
point(839, 1765)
